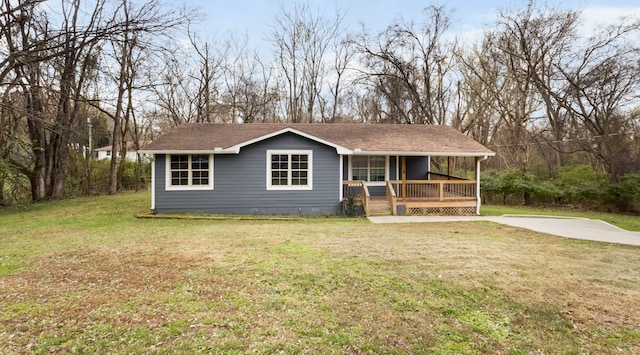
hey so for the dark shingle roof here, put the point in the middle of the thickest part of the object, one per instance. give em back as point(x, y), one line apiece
point(416, 139)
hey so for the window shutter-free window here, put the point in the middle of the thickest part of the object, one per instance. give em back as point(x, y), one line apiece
point(279, 169)
point(360, 169)
point(368, 168)
point(289, 170)
point(189, 172)
point(299, 169)
point(180, 170)
point(377, 167)
point(200, 170)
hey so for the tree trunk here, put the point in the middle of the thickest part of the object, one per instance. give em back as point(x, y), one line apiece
point(115, 148)
point(37, 174)
point(117, 119)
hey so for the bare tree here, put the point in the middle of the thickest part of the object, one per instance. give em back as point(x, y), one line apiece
point(141, 27)
point(410, 65)
point(302, 38)
point(476, 111)
point(188, 87)
point(248, 92)
point(176, 90)
point(554, 90)
point(602, 81)
point(50, 68)
point(542, 42)
point(39, 51)
point(210, 63)
point(499, 85)
point(344, 54)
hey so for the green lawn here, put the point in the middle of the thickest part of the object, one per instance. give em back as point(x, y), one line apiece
point(86, 276)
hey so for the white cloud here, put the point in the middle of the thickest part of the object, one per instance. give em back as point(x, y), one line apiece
point(598, 16)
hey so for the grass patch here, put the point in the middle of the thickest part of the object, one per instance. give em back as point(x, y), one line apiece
point(628, 222)
point(11, 264)
point(87, 276)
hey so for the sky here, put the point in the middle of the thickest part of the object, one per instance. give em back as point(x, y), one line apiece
point(254, 17)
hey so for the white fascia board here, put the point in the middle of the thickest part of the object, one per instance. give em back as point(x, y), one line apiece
point(174, 151)
point(340, 149)
point(432, 154)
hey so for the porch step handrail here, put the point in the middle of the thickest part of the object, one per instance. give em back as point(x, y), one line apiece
point(391, 197)
point(367, 197)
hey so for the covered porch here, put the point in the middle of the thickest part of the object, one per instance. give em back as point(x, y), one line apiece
point(436, 194)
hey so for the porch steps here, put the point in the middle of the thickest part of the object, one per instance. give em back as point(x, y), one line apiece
point(379, 207)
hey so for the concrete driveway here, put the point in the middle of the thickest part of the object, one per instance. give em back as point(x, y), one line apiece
point(577, 228)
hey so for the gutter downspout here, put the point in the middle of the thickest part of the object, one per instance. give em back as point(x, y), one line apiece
point(153, 183)
point(340, 195)
point(478, 203)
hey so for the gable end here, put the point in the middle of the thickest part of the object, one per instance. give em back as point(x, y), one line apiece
point(236, 148)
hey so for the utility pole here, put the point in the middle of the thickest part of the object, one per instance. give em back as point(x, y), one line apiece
point(90, 137)
point(89, 156)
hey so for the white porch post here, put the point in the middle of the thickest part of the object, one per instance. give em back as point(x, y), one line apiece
point(341, 173)
point(478, 202)
point(153, 182)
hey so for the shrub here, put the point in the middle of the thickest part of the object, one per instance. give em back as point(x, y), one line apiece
point(582, 185)
point(545, 192)
point(508, 186)
point(349, 206)
point(626, 194)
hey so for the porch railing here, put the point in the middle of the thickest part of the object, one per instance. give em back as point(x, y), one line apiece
point(357, 189)
point(417, 193)
point(434, 190)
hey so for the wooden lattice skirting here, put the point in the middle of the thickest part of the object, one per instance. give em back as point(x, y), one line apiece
point(441, 211)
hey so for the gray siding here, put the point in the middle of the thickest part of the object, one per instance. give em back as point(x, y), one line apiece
point(240, 183)
point(393, 168)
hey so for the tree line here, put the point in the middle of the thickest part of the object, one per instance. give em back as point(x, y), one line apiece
point(538, 86)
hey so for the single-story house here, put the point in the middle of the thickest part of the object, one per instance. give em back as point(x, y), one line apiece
point(106, 151)
point(280, 168)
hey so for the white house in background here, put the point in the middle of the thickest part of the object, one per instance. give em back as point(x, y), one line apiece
point(132, 154)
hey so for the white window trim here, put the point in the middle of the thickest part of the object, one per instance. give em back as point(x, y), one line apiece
point(307, 187)
point(372, 183)
point(170, 187)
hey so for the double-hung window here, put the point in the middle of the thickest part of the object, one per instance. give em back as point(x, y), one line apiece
point(370, 168)
point(289, 170)
point(189, 172)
